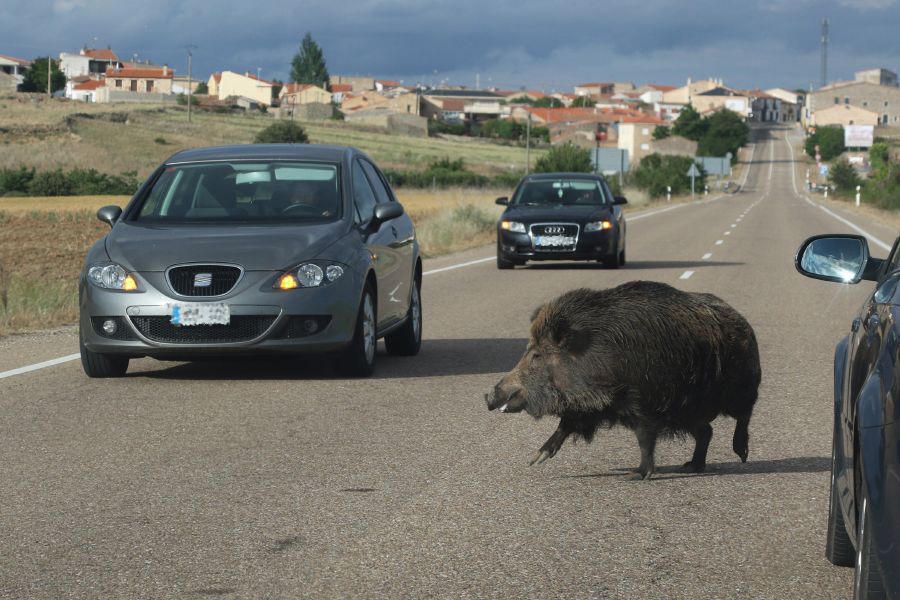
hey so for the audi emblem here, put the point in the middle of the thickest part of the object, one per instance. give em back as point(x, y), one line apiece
point(554, 230)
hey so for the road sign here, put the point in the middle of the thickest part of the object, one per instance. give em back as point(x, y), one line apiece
point(693, 172)
point(823, 170)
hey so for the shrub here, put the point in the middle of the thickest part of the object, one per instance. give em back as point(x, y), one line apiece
point(656, 172)
point(661, 132)
point(436, 127)
point(455, 229)
point(161, 141)
point(830, 141)
point(182, 99)
point(202, 88)
point(282, 132)
point(50, 183)
point(725, 132)
point(15, 180)
point(565, 158)
point(843, 176)
point(690, 124)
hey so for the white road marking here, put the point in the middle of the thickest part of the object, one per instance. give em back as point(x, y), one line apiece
point(733, 225)
point(686, 275)
point(749, 164)
point(459, 266)
point(41, 365)
point(883, 245)
point(707, 256)
point(719, 242)
point(727, 233)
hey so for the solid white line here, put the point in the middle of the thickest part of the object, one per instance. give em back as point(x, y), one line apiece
point(727, 233)
point(643, 215)
point(883, 245)
point(686, 275)
point(719, 242)
point(749, 165)
point(40, 365)
point(707, 256)
point(459, 266)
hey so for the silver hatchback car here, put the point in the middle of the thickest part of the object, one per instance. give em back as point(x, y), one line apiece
point(254, 249)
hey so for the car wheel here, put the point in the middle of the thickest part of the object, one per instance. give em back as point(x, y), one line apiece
point(407, 340)
point(622, 258)
point(101, 365)
point(502, 263)
point(866, 581)
point(838, 549)
point(358, 359)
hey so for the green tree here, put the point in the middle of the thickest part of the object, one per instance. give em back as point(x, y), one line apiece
point(202, 88)
point(35, 78)
point(548, 102)
point(830, 141)
point(276, 88)
point(282, 132)
point(567, 158)
point(583, 102)
point(308, 65)
point(661, 132)
point(726, 132)
point(843, 176)
point(521, 100)
point(658, 172)
point(690, 124)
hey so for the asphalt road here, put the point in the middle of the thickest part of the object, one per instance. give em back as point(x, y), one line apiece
point(279, 479)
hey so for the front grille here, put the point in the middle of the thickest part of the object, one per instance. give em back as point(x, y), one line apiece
point(303, 326)
point(554, 229)
point(241, 329)
point(189, 280)
point(123, 331)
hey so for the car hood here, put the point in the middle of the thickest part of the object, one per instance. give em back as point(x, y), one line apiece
point(557, 213)
point(254, 247)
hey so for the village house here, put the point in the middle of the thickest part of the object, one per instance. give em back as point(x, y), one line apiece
point(84, 90)
point(685, 94)
point(303, 93)
point(339, 91)
point(91, 62)
point(722, 97)
point(881, 98)
point(143, 80)
point(15, 68)
point(843, 115)
point(357, 84)
point(229, 84)
point(635, 135)
point(791, 103)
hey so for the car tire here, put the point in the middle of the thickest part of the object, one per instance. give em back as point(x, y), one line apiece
point(358, 360)
point(98, 365)
point(867, 584)
point(502, 263)
point(407, 340)
point(622, 258)
point(838, 548)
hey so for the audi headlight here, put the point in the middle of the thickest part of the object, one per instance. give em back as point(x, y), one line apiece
point(598, 226)
point(112, 277)
point(309, 275)
point(513, 226)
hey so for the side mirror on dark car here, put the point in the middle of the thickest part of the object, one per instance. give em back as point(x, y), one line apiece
point(502, 201)
point(385, 211)
point(840, 258)
point(620, 200)
point(109, 214)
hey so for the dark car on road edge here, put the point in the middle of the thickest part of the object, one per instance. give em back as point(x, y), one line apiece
point(864, 510)
point(561, 216)
point(256, 249)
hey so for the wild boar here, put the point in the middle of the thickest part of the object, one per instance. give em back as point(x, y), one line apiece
point(643, 355)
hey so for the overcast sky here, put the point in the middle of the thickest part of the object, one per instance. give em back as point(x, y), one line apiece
point(542, 45)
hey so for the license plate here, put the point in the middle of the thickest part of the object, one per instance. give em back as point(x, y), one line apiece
point(553, 241)
point(200, 313)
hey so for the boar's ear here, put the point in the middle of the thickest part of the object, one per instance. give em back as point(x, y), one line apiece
point(536, 312)
point(574, 340)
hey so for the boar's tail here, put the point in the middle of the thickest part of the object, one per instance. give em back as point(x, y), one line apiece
point(740, 443)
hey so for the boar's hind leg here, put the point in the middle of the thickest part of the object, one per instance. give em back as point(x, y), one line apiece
point(702, 436)
point(646, 437)
point(555, 442)
point(741, 441)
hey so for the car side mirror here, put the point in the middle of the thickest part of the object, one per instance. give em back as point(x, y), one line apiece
point(840, 258)
point(502, 201)
point(109, 214)
point(385, 211)
point(620, 200)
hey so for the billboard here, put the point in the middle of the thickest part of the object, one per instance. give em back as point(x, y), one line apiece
point(859, 136)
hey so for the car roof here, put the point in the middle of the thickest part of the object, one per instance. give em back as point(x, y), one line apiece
point(319, 152)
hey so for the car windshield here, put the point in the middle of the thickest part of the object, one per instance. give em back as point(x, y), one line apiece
point(218, 192)
point(546, 192)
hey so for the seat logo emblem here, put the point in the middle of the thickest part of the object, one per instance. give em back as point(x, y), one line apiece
point(554, 230)
point(202, 280)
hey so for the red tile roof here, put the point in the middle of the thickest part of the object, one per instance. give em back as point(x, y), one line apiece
point(341, 87)
point(100, 54)
point(293, 88)
point(598, 115)
point(217, 77)
point(388, 83)
point(141, 73)
point(21, 61)
point(596, 84)
point(90, 84)
point(661, 88)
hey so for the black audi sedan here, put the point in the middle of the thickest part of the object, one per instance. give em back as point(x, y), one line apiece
point(864, 511)
point(561, 216)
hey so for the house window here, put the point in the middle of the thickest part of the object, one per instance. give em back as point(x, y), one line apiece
point(885, 103)
point(837, 100)
point(134, 85)
point(865, 103)
point(118, 83)
point(149, 85)
point(846, 100)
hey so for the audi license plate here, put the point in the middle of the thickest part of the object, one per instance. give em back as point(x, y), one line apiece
point(553, 241)
point(200, 313)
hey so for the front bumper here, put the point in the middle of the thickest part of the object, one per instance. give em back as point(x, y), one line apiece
point(594, 245)
point(263, 320)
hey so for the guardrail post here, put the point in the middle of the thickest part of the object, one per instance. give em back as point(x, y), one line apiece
point(857, 194)
point(668, 193)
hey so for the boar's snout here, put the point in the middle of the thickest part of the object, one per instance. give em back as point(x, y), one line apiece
point(508, 396)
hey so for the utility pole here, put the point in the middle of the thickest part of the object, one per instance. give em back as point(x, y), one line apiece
point(190, 51)
point(528, 145)
point(824, 52)
point(49, 73)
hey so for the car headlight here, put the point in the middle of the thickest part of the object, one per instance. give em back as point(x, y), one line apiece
point(514, 226)
point(112, 277)
point(598, 226)
point(309, 275)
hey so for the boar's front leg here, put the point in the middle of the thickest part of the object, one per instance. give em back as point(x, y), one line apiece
point(646, 437)
point(555, 442)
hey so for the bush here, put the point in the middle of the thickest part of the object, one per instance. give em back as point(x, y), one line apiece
point(661, 132)
point(830, 141)
point(843, 176)
point(282, 132)
point(690, 124)
point(15, 180)
point(656, 172)
point(161, 141)
point(202, 88)
point(50, 183)
point(566, 158)
point(77, 182)
point(436, 127)
point(182, 99)
point(725, 132)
